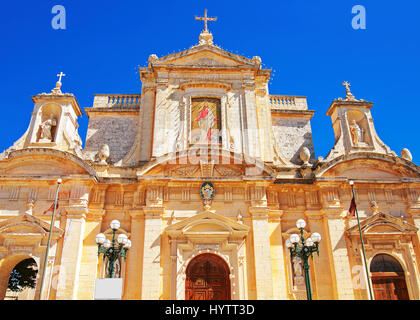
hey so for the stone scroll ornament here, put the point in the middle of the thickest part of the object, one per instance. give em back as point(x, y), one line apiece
point(207, 192)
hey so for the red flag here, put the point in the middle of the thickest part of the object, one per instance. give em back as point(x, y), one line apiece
point(52, 206)
point(352, 209)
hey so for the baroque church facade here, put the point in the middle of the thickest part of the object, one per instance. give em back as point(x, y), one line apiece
point(205, 115)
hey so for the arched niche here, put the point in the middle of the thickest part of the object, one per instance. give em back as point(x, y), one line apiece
point(359, 118)
point(49, 111)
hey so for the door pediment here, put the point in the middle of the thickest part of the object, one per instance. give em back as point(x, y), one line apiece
point(26, 229)
point(207, 224)
point(383, 224)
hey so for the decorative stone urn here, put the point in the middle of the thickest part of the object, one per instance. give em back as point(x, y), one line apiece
point(305, 155)
point(103, 154)
point(406, 154)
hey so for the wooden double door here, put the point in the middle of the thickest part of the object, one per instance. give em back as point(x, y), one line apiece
point(389, 286)
point(207, 278)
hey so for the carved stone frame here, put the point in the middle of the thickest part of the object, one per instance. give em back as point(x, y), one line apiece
point(224, 238)
point(397, 241)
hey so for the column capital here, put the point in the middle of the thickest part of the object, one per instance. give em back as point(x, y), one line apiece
point(259, 212)
point(314, 214)
point(76, 212)
point(95, 214)
point(136, 213)
point(153, 212)
point(275, 214)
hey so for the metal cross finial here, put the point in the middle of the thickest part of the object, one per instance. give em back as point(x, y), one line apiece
point(205, 19)
point(61, 74)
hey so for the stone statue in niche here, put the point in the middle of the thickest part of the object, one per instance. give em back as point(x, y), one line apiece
point(297, 267)
point(46, 129)
point(356, 132)
point(103, 154)
point(298, 278)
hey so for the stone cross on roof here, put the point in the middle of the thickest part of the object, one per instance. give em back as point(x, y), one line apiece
point(205, 19)
point(349, 95)
point(57, 89)
point(60, 75)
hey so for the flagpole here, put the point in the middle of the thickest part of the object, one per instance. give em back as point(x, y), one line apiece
point(49, 241)
point(361, 238)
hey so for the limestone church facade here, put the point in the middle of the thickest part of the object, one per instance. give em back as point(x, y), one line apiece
point(206, 115)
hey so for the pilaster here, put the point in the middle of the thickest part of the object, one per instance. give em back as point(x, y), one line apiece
point(262, 254)
point(340, 256)
point(68, 279)
point(89, 262)
point(277, 255)
point(135, 255)
point(151, 255)
point(322, 264)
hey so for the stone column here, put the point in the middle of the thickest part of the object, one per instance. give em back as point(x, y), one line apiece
point(262, 254)
point(151, 255)
point(133, 283)
point(340, 257)
point(68, 279)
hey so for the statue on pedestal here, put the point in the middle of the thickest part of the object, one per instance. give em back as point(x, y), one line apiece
point(356, 133)
point(46, 129)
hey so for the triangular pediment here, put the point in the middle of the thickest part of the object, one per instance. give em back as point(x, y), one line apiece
point(383, 224)
point(205, 56)
point(205, 224)
point(27, 225)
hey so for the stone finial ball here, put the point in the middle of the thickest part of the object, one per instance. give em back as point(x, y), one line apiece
point(406, 154)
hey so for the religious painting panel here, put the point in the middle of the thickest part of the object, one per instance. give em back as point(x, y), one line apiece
point(205, 120)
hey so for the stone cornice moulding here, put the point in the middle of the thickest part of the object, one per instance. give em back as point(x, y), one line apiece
point(163, 61)
point(63, 97)
point(52, 152)
point(322, 167)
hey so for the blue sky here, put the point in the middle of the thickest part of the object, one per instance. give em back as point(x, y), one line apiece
point(310, 46)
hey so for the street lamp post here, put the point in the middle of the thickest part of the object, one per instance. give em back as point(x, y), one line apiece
point(299, 247)
point(113, 250)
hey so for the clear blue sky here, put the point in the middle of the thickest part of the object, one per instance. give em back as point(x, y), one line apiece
point(310, 46)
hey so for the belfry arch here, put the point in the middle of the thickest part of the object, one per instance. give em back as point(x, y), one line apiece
point(207, 278)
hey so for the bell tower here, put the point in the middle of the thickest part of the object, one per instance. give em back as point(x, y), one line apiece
point(53, 123)
point(353, 126)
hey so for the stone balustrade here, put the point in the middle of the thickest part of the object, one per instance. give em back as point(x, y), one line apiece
point(116, 101)
point(288, 102)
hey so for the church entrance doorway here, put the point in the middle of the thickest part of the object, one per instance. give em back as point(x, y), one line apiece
point(207, 278)
point(388, 278)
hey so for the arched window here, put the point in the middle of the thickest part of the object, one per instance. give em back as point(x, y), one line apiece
point(385, 263)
